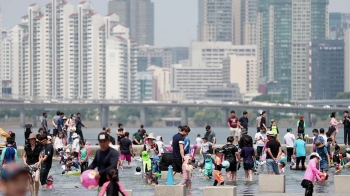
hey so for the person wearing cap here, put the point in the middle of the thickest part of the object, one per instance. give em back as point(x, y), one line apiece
point(46, 159)
point(49, 182)
point(151, 147)
point(106, 158)
point(14, 180)
point(322, 151)
point(231, 155)
point(299, 151)
point(346, 123)
point(310, 174)
point(289, 139)
point(274, 151)
point(75, 145)
point(31, 157)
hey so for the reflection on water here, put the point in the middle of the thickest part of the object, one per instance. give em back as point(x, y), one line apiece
point(68, 185)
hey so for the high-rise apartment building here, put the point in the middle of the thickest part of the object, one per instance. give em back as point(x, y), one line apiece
point(327, 68)
point(215, 21)
point(211, 54)
point(138, 15)
point(347, 61)
point(244, 21)
point(286, 30)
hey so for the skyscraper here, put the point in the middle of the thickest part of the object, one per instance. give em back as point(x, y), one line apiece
point(244, 21)
point(347, 61)
point(215, 22)
point(286, 30)
point(138, 15)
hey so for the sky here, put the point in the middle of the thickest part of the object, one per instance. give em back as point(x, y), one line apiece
point(175, 20)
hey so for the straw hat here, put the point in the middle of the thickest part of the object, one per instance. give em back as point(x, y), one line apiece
point(270, 133)
point(151, 136)
point(319, 144)
point(32, 136)
point(64, 118)
point(67, 151)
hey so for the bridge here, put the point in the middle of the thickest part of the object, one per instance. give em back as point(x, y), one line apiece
point(324, 102)
point(224, 107)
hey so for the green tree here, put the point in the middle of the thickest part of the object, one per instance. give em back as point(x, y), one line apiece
point(124, 112)
point(343, 95)
point(269, 98)
point(208, 116)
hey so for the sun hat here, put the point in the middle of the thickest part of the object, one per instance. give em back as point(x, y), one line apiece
point(319, 144)
point(32, 136)
point(315, 154)
point(151, 136)
point(75, 135)
point(67, 150)
point(50, 178)
point(11, 170)
point(270, 133)
point(64, 118)
point(49, 137)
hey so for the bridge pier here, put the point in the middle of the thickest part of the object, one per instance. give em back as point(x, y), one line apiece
point(22, 117)
point(104, 115)
point(143, 118)
point(35, 122)
point(184, 116)
point(308, 119)
point(224, 116)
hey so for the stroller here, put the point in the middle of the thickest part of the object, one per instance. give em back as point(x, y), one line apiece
point(27, 132)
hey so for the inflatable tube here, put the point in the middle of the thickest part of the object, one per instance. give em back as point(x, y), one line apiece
point(295, 167)
point(73, 173)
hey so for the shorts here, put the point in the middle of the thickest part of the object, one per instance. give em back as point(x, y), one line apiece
point(218, 176)
point(126, 157)
point(272, 166)
point(248, 166)
point(235, 131)
point(324, 166)
point(233, 166)
point(55, 132)
point(177, 165)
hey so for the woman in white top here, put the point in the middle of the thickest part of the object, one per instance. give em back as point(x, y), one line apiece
point(75, 145)
point(260, 139)
point(160, 145)
point(70, 123)
point(58, 144)
point(199, 140)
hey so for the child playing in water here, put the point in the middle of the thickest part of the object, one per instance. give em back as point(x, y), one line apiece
point(112, 187)
point(9, 154)
point(282, 165)
point(310, 174)
point(49, 182)
point(71, 165)
point(83, 156)
point(14, 180)
point(208, 167)
point(138, 171)
point(186, 176)
point(217, 172)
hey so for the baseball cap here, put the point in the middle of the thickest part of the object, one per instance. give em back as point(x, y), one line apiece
point(103, 136)
point(289, 129)
point(12, 170)
point(244, 130)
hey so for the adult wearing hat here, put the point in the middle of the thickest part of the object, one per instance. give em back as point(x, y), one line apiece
point(106, 158)
point(30, 157)
point(274, 150)
point(46, 159)
point(75, 145)
point(151, 147)
point(245, 137)
point(346, 122)
point(325, 163)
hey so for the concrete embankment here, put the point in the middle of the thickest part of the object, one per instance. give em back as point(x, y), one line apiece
point(139, 148)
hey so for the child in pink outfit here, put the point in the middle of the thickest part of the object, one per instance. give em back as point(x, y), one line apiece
point(186, 172)
point(310, 174)
point(112, 187)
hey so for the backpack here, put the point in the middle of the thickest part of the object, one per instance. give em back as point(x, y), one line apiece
point(301, 126)
point(9, 155)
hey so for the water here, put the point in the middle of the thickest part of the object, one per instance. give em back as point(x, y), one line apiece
point(221, 133)
point(66, 185)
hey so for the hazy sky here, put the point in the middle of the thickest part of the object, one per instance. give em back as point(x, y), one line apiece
point(175, 20)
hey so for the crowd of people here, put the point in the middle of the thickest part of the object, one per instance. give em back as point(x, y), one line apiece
point(238, 152)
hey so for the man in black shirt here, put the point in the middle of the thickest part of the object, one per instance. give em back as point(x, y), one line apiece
point(120, 132)
point(46, 160)
point(273, 152)
point(245, 137)
point(78, 125)
point(178, 148)
point(106, 158)
point(263, 121)
point(126, 149)
point(346, 122)
point(243, 121)
point(231, 155)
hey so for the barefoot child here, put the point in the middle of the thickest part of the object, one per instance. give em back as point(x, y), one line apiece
point(186, 176)
point(310, 174)
point(49, 182)
point(112, 187)
point(218, 178)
